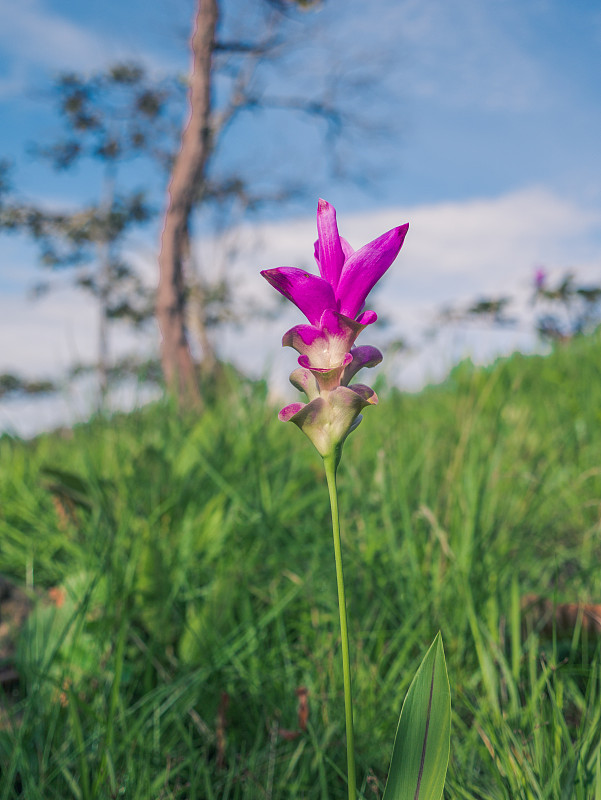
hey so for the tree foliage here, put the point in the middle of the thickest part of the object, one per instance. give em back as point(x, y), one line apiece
point(109, 119)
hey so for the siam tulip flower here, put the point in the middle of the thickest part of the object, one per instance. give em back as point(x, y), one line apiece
point(333, 304)
point(540, 278)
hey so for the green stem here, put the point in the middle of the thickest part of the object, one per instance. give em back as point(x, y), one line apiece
point(330, 466)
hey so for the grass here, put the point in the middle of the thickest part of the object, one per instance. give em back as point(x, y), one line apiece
point(193, 592)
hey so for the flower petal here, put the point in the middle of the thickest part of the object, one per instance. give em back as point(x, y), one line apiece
point(330, 255)
point(308, 292)
point(327, 422)
point(326, 345)
point(364, 268)
point(304, 381)
point(367, 318)
point(290, 411)
point(341, 331)
point(328, 378)
point(302, 337)
point(346, 248)
point(367, 396)
point(363, 356)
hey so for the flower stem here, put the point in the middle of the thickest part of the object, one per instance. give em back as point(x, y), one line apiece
point(330, 467)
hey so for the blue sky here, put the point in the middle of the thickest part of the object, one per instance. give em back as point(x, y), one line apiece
point(480, 97)
point(493, 115)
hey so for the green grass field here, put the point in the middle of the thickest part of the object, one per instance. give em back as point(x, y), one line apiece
point(193, 592)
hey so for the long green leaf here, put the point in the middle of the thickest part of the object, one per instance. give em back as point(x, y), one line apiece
point(421, 746)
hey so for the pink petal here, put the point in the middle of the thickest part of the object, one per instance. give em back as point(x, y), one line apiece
point(363, 356)
point(288, 412)
point(302, 337)
point(346, 248)
point(367, 396)
point(306, 364)
point(363, 269)
point(340, 330)
point(329, 377)
point(308, 292)
point(367, 318)
point(305, 382)
point(327, 344)
point(330, 255)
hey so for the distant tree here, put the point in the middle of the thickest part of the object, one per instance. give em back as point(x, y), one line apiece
point(569, 309)
point(11, 384)
point(564, 309)
point(110, 119)
point(490, 310)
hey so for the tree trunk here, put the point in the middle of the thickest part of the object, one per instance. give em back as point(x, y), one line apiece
point(187, 175)
point(104, 266)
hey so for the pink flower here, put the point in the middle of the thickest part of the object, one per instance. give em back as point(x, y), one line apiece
point(540, 278)
point(331, 303)
point(347, 277)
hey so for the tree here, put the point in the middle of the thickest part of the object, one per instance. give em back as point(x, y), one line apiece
point(562, 311)
point(110, 119)
point(568, 309)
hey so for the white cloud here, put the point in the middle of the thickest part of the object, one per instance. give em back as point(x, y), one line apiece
point(494, 244)
point(30, 32)
point(45, 337)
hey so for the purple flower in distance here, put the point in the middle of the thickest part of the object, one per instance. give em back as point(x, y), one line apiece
point(333, 304)
point(540, 278)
